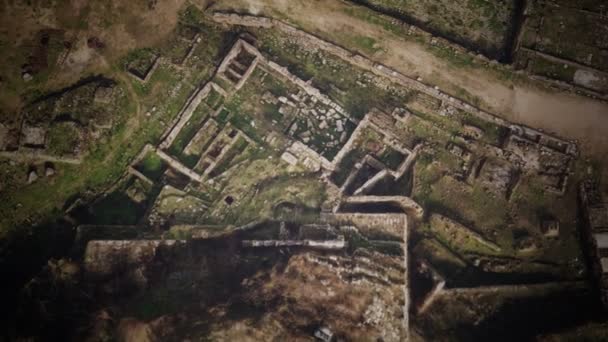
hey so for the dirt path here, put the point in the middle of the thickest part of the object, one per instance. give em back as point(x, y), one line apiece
point(570, 116)
point(132, 94)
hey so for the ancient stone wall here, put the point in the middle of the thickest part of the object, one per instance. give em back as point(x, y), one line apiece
point(27, 155)
point(357, 60)
point(179, 166)
point(104, 257)
point(186, 114)
point(326, 244)
point(409, 206)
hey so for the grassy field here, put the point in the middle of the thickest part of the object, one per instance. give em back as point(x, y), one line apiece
point(63, 139)
point(546, 68)
point(258, 184)
point(477, 24)
point(152, 166)
point(306, 191)
point(107, 160)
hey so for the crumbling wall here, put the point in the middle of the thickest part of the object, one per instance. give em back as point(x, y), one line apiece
point(355, 59)
point(186, 114)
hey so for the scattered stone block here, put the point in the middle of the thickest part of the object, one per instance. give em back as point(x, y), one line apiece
point(49, 170)
point(103, 95)
point(289, 158)
point(550, 227)
point(33, 136)
point(339, 127)
point(27, 76)
point(32, 176)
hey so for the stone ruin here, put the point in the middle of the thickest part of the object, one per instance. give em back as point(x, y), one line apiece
point(595, 235)
point(144, 67)
point(129, 259)
point(548, 157)
point(121, 263)
point(143, 70)
point(103, 94)
point(369, 171)
point(33, 136)
point(426, 285)
point(51, 129)
point(498, 177)
point(549, 226)
point(576, 62)
point(238, 64)
point(314, 235)
point(319, 126)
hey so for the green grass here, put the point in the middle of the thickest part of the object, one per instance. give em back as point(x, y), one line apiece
point(155, 302)
point(425, 175)
point(391, 158)
point(223, 83)
point(307, 191)
point(271, 112)
point(191, 16)
point(214, 99)
point(372, 18)
point(243, 122)
point(460, 242)
point(457, 59)
point(223, 115)
point(426, 131)
point(366, 44)
point(116, 208)
point(477, 22)
point(175, 49)
point(164, 75)
point(355, 240)
point(476, 205)
point(388, 248)
point(549, 69)
point(62, 139)
point(439, 256)
point(235, 113)
point(140, 60)
point(189, 131)
point(152, 166)
point(239, 146)
point(275, 86)
point(107, 160)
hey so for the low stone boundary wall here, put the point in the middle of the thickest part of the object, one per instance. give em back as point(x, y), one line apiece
point(22, 156)
point(409, 206)
point(326, 244)
point(179, 166)
point(104, 257)
point(186, 114)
